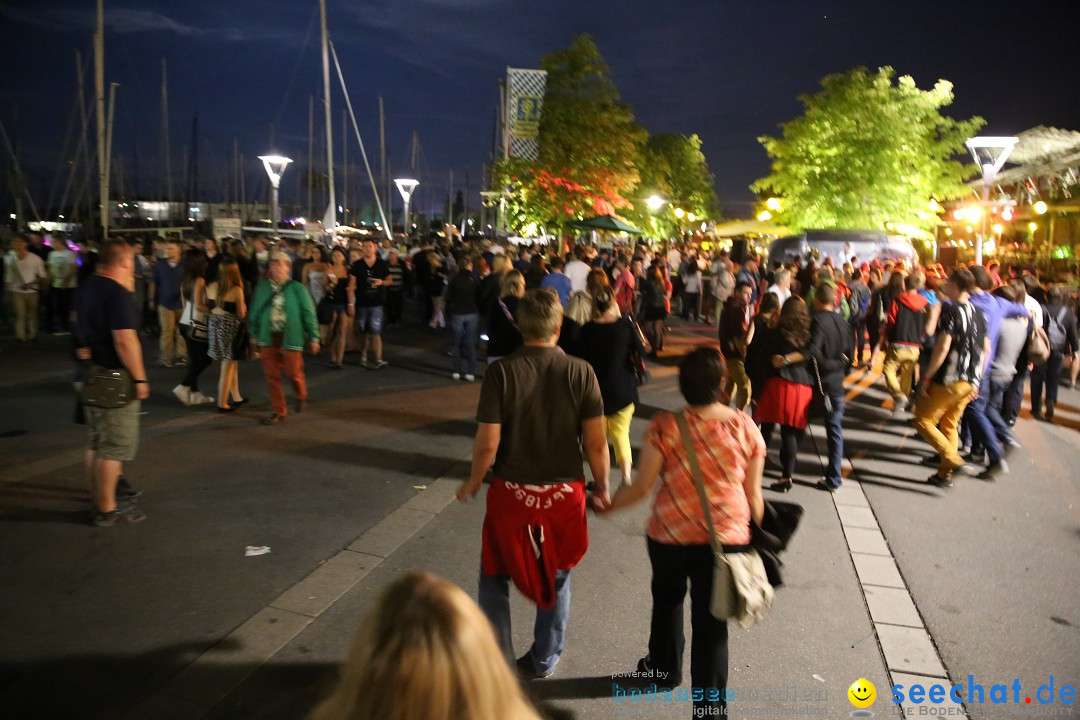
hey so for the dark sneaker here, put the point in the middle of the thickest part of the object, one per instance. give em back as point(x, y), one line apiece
point(994, 469)
point(1049, 411)
point(125, 490)
point(648, 675)
point(941, 482)
point(273, 419)
point(379, 364)
point(824, 485)
point(299, 405)
point(527, 670)
point(119, 516)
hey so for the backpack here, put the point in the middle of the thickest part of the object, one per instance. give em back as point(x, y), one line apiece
point(1056, 334)
point(860, 302)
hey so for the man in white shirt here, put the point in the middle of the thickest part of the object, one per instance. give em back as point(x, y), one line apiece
point(781, 286)
point(62, 267)
point(23, 274)
point(577, 270)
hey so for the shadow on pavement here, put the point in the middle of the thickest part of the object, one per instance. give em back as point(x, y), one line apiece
point(570, 688)
point(384, 458)
point(29, 690)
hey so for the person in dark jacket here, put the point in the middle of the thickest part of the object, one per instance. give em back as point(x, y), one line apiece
point(757, 361)
point(905, 327)
point(503, 334)
point(1060, 326)
point(464, 313)
point(735, 329)
point(788, 390)
point(606, 342)
point(831, 348)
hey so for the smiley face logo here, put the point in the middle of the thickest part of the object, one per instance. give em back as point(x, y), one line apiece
point(862, 693)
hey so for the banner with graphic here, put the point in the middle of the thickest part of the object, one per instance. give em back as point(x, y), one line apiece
point(524, 100)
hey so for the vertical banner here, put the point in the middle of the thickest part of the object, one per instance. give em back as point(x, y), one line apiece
point(524, 100)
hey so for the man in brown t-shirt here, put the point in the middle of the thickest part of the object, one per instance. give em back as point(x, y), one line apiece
point(540, 417)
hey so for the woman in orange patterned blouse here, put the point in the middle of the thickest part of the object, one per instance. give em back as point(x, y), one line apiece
point(731, 453)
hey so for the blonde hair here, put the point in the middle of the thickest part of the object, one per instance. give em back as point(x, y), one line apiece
point(500, 264)
point(539, 315)
point(425, 651)
point(512, 283)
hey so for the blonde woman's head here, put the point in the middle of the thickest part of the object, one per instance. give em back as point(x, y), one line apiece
point(513, 283)
point(425, 651)
point(500, 264)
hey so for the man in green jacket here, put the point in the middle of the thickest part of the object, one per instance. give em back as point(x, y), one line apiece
point(282, 315)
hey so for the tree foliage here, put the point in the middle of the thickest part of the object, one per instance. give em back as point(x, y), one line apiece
point(596, 160)
point(868, 153)
point(674, 168)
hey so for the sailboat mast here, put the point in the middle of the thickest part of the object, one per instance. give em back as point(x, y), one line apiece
point(166, 152)
point(329, 129)
point(383, 181)
point(108, 153)
point(310, 145)
point(344, 168)
point(99, 94)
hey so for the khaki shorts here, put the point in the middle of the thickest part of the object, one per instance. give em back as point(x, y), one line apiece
point(114, 433)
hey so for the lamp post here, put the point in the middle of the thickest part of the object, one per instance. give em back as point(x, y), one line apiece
point(275, 166)
point(990, 154)
point(406, 186)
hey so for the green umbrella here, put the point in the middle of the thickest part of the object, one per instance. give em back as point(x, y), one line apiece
point(610, 223)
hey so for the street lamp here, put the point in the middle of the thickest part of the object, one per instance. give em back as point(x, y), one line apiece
point(679, 213)
point(773, 204)
point(275, 166)
point(406, 186)
point(990, 154)
point(655, 202)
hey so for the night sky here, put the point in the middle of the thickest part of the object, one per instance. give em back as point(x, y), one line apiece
point(729, 71)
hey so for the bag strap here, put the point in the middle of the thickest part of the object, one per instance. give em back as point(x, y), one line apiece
point(699, 482)
point(817, 375)
point(506, 312)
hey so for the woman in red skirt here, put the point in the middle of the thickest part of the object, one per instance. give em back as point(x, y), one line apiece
point(789, 388)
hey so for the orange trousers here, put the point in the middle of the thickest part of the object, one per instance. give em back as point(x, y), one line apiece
point(274, 361)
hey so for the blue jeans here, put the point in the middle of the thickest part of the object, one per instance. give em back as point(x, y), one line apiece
point(834, 432)
point(1014, 396)
point(464, 330)
point(995, 413)
point(983, 433)
point(369, 320)
point(549, 630)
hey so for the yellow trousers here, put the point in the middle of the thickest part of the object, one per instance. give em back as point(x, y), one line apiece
point(738, 383)
point(617, 429)
point(937, 418)
point(900, 362)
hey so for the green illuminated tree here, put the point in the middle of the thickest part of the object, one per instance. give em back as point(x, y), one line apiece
point(674, 168)
point(589, 145)
point(868, 153)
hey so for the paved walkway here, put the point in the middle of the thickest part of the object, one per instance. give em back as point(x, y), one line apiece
point(889, 580)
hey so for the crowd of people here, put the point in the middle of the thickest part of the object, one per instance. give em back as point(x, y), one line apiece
point(567, 336)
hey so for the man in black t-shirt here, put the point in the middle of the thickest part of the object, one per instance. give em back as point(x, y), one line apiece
point(952, 380)
point(367, 295)
point(106, 325)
